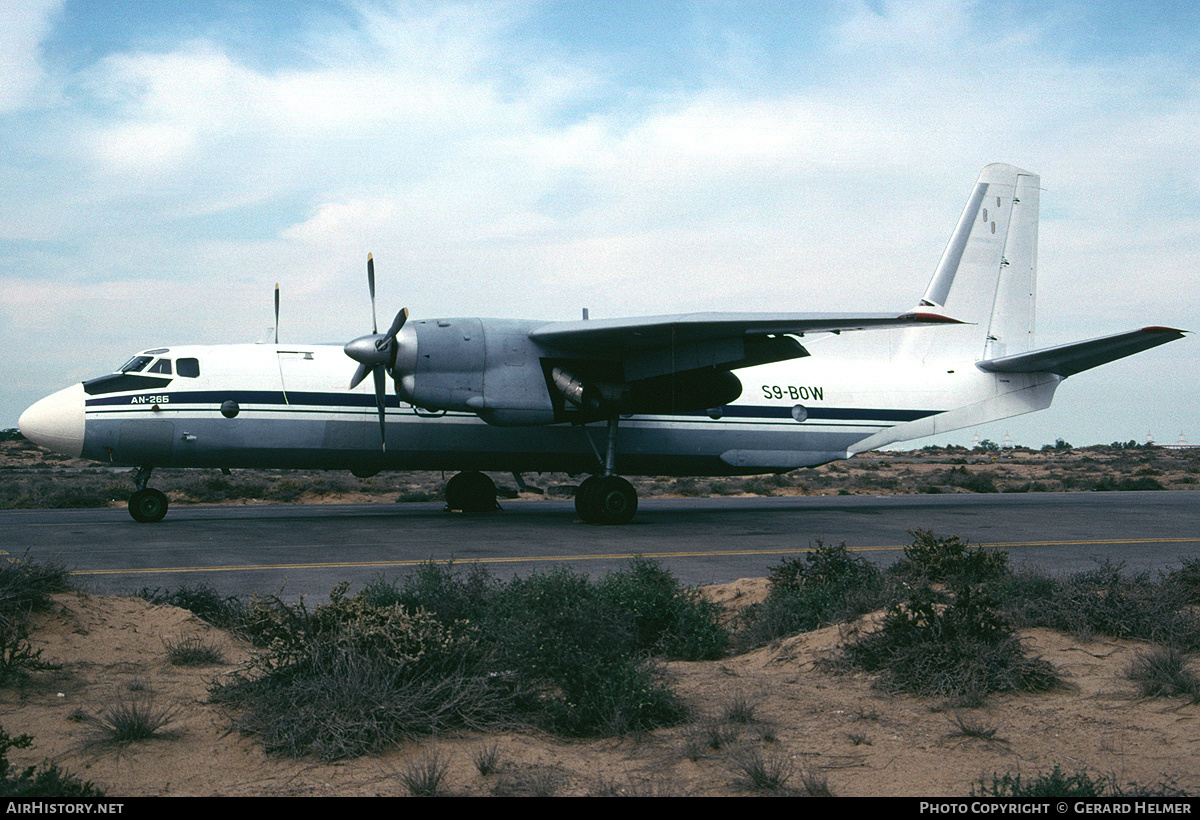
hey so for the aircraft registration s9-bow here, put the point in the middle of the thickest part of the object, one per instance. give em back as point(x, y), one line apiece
point(701, 394)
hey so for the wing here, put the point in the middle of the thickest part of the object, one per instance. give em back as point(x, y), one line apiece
point(651, 346)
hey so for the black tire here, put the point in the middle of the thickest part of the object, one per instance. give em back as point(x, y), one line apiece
point(471, 492)
point(606, 499)
point(584, 506)
point(148, 506)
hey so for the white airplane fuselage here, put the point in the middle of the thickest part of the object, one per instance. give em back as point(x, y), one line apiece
point(287, 406)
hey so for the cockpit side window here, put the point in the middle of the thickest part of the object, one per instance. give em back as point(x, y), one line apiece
point(161, 366)
point(136, 364)
point(188, 367)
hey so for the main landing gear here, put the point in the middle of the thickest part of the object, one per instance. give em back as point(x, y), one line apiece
point(146, 505)
point(608, 498)
point(471, 492)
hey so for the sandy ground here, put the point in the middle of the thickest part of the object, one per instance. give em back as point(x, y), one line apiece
point(827, 729)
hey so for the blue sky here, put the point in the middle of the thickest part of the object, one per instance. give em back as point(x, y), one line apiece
point(165, 163)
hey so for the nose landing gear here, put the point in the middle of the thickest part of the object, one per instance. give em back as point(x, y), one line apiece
point(146, 505)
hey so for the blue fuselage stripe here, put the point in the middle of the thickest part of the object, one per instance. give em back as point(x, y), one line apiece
point(333, 402)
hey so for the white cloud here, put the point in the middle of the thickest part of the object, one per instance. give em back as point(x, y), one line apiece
point(23, 25)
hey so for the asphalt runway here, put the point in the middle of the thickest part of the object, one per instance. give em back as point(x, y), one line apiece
point(306, 549)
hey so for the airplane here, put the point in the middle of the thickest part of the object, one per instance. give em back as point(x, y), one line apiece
point(699, 394)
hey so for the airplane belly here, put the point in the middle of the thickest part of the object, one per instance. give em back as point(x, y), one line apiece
point(320, 436)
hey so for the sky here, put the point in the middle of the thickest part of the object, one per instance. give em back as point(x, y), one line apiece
point(164, 163)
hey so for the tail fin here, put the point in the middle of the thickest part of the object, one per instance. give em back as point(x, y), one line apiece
point(988, 273)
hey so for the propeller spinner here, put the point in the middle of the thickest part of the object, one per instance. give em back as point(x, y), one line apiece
point(376, 353)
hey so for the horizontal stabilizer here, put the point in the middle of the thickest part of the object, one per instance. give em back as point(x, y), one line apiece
point(1067, 360)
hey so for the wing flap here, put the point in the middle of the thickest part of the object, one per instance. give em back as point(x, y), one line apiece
point(1067, 360)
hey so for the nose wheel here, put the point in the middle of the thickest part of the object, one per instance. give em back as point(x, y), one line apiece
point(146, 505)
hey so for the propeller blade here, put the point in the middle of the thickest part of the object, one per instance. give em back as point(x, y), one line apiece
point(276, 313)
point(380, 388)
point(397, 323)
point(376, 353)
point(371, 286)
point(359, 375)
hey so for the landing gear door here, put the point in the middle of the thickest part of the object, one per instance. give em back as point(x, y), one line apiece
point(147, 442)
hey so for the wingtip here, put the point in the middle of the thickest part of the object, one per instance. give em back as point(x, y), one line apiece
point(929, 317)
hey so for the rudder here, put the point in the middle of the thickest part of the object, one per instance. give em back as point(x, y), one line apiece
point(987, 275)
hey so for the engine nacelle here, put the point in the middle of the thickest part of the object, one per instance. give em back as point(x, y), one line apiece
point(483, 366)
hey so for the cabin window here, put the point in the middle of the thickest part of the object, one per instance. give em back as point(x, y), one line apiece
point(161, 366)
point(188, 367)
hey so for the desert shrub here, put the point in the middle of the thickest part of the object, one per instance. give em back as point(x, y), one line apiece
point(17, 657)
point(667, 618)
point(763, 773)
point(1186, 580)
point(409, 496)
point(1058, 783)
point(424, 777)
point(740, 709)
point(528, 781)
point(826, 585)
point(350, 678)
point(26, 585)
point(132, 719)
point(287, 489)
point(823, 565)
point(1127, 484)
point(1164, 672)
point(192, 651)
point(934, 559)
point(32, 781)
point(964, 479)
point(487, 759)
point(203, 601)
point(582, 656)
point(764, 484)
point(446, 590)
point(687, 487)
point(444, 648)
point(962, 651)
point(1051, 784)
point(1106, 601)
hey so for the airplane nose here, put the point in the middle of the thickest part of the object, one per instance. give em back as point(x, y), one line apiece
point(56, 422)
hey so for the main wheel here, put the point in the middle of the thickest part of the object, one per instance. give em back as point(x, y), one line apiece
point(607, 499)
point(471, 492)
point(583, 498)
point(148, 506)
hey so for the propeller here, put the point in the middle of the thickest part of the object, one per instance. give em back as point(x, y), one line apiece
point(376, 353)
point(276, 313)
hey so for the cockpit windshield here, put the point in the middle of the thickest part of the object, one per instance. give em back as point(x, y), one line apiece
point(136, 364)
